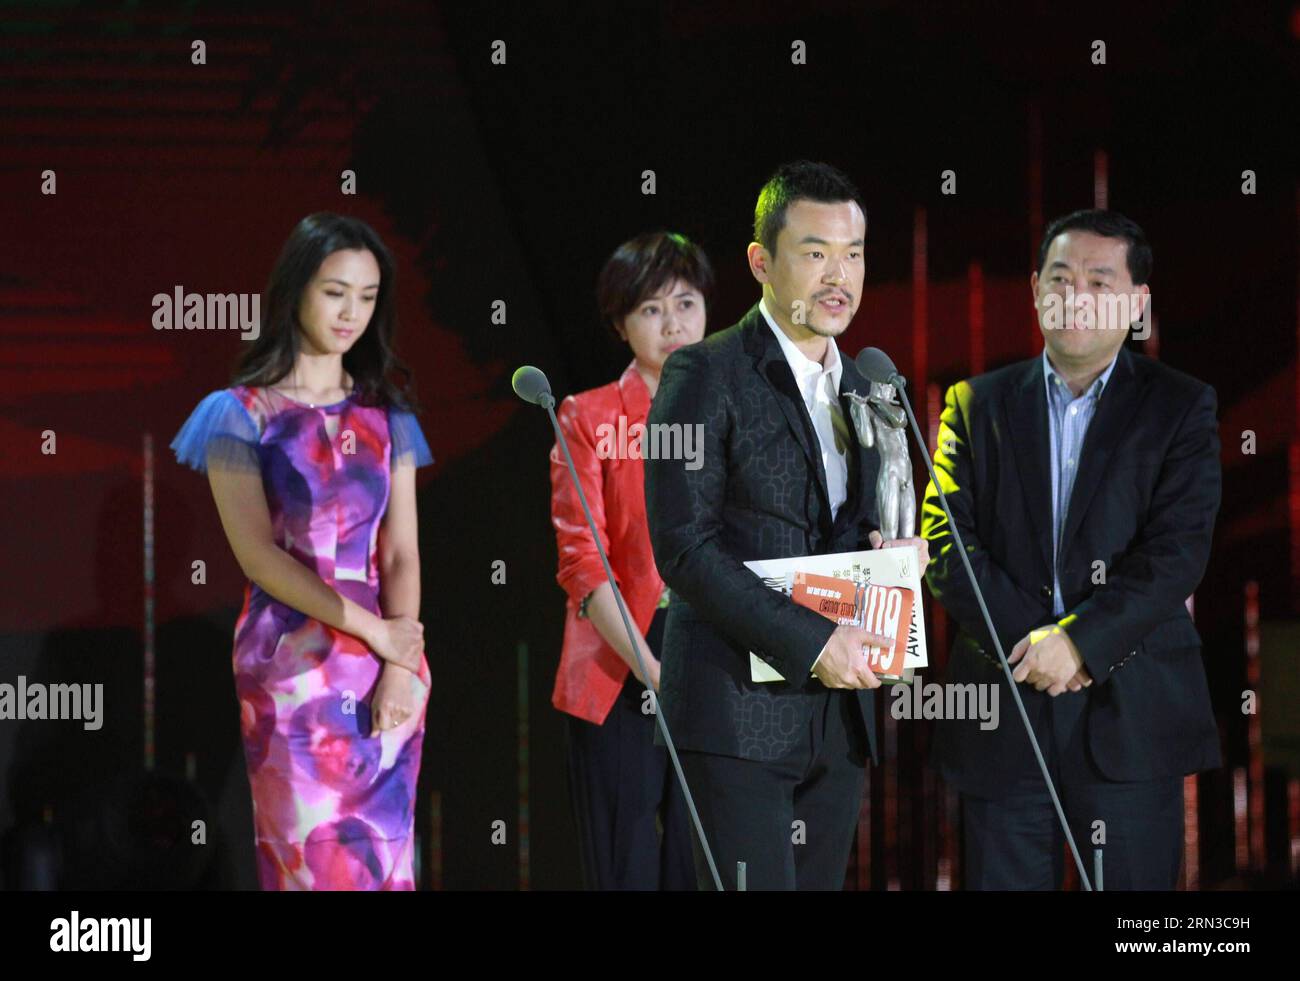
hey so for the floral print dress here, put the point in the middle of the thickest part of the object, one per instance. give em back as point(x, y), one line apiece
point(333, 808)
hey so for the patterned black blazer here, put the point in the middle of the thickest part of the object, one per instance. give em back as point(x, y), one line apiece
point(758, 493)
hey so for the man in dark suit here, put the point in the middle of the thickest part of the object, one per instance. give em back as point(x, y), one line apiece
point(1115, 688)
point(776, 768)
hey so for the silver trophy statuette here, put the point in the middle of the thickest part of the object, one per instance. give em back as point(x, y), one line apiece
point(881, 423)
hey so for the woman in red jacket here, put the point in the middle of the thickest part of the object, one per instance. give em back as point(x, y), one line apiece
point(652, 293)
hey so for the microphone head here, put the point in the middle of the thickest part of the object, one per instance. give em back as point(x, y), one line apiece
point(876, 366)
point(530, 384)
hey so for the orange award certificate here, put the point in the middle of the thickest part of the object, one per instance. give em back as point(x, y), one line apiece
point(877, 590)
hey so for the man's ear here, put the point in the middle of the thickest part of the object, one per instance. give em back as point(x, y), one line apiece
point(758, 261)
point(1144, 292)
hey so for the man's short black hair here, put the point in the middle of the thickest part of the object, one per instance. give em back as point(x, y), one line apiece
point(802, 179)
point(1108, 224)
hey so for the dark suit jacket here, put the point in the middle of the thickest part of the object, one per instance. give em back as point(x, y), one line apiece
point(1144, 503)
point(760, 494)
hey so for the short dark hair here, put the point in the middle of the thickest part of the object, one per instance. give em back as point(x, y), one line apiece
point(1108, 224)
point(802, 179)
point(644, 265)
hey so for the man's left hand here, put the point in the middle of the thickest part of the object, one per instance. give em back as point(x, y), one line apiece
point(1053, 664)
point(920, 544)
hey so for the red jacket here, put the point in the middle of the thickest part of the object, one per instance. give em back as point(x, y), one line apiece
point(591, 673)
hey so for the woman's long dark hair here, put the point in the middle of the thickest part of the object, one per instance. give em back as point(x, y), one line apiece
point(372, 359)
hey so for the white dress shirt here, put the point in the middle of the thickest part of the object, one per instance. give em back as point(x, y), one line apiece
point(820, 386)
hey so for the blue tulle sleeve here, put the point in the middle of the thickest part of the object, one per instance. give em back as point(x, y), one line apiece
point(409, 445)
point(218, 433)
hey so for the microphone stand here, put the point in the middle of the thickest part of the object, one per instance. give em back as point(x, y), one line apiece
point(547, 400)
point(900, 384)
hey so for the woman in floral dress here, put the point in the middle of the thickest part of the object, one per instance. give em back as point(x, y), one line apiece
point(311, 456)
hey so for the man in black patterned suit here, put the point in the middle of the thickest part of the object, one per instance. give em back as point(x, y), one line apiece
point(776, 768)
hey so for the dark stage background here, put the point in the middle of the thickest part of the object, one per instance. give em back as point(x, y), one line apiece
point(514, 182)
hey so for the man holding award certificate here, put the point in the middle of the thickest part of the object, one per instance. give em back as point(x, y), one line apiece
point(768, 693)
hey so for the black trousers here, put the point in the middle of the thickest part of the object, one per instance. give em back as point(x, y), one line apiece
point(633, 826)
point(790, 821)
point(1016, 842)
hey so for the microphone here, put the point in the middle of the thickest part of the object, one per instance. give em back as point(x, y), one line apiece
point(877, 366)
point(531, 385)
